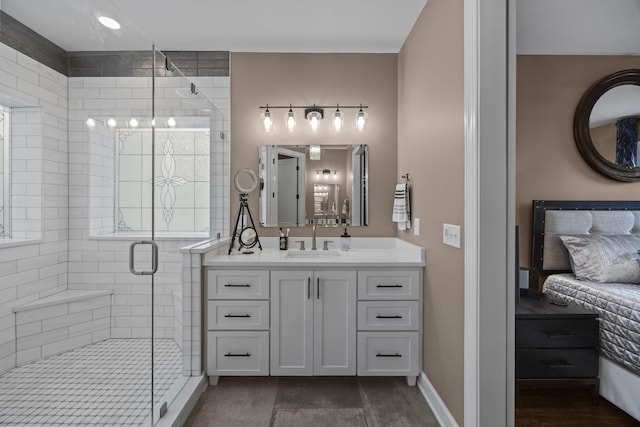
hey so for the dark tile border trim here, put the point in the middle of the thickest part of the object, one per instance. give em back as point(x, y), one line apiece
point(108, 63)
point(23, 39)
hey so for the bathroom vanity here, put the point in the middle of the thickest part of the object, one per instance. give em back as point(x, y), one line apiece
point(315, 312)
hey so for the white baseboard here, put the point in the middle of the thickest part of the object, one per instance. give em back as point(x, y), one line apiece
point(438, 407)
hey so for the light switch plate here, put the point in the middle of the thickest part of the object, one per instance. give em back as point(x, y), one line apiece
point(416, 226)
point(451, 235)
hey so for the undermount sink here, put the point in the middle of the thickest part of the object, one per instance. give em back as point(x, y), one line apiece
point(313, 254)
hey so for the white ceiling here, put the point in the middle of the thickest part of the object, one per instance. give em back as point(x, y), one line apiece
point(553, 27)
point(233, 25)
point(578, 27)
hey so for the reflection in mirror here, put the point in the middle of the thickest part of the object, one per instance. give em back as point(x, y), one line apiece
point(605, 125)
point(613, 125)
point(296, 191)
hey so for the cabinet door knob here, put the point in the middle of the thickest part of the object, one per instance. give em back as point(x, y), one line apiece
point(231, 285)
point(237, 355)
point(388, 286)
point(237, 315)
point(388, 355)
point(395, 316)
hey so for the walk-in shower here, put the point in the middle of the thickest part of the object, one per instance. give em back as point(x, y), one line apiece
point(102, 148)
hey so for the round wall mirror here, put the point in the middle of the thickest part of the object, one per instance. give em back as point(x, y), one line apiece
point(606, 123)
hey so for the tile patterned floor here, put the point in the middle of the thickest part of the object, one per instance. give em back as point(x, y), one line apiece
point(103, 384)
point(312, 401)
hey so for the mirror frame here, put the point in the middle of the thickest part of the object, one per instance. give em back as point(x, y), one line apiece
point(581, 132)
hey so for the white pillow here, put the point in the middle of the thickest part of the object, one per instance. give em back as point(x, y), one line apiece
point(603, 258)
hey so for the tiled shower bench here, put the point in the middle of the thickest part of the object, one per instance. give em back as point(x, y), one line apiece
point(61, 322)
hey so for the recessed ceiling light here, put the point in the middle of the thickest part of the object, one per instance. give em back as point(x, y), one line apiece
point(109, 22)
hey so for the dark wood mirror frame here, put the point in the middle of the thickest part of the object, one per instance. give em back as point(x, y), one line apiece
point(582, 134)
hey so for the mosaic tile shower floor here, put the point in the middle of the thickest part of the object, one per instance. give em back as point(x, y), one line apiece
point(103, 384)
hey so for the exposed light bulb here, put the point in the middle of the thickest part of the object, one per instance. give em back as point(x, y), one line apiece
point(91, 122)
point(110, 23)
point(267, 121)
point(337, 120)
point(361, 119)
point(111, 122)
point(291, 120)
point(171, 122)
point(314, 123)
point(133, 122)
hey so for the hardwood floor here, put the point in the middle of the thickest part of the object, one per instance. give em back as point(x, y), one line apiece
point(567, 407)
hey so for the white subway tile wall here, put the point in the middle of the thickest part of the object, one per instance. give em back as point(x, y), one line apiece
point(32, 271)
point(54, 169)
point(103, 264)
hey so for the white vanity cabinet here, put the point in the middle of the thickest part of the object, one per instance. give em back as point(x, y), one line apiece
point(237, 319)
point(389, 317)
point(271, 313)
point(313, 322)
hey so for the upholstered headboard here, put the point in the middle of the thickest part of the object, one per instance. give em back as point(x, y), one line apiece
point(552, 218)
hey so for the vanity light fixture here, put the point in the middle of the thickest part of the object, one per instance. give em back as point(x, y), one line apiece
point(314, 114)
point(111, 122)
point(267, 121)
point(91, 122)
point(338, 119)
point(291, 119)
point(315, 153)
point(171, 122)
point(110, 23)
point(326, 173)
point(361, 119)
point(133, 122)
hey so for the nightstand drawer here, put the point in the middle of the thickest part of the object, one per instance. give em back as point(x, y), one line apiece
point(557, 363)
point(556, 333)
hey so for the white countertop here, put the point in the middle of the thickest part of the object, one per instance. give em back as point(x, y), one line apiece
point(365, 252)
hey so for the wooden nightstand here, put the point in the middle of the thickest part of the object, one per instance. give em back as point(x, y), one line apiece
point(556, 346)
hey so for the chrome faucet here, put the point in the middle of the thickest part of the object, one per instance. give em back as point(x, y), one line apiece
point(313, 239)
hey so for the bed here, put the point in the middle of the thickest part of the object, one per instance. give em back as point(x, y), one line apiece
point(604, 239)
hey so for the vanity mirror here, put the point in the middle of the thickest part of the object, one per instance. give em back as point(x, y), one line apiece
point(300, 187)
point(606, 125)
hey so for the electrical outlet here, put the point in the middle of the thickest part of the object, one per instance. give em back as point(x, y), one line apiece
point(451, 235)
point(416, 226)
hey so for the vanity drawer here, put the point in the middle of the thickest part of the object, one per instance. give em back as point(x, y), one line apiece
point(237, 284)
point(388, 353)
point(238, 353)
point(234, 315)
point(388, 315)
point(388, 285)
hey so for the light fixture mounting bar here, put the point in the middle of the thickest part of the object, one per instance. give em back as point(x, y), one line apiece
point(310, 106)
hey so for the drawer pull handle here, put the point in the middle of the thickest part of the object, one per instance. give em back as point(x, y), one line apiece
point(237, 355)
point(558, 334)
point(231, 285)
point(388, 286)
point(395, 316)
point(388, 355)
point(237, 315)
point(559, 364)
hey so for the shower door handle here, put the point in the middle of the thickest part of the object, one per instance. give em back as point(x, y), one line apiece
point(154, 258)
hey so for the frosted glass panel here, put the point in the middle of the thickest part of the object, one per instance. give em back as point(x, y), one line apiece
point(181, 179)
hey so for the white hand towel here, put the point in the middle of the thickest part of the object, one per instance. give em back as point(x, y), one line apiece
point(401, 208)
